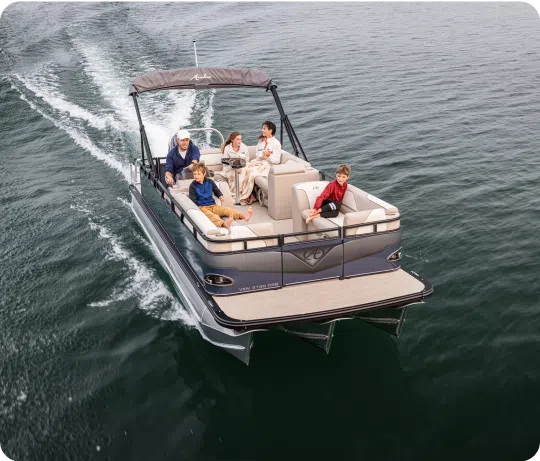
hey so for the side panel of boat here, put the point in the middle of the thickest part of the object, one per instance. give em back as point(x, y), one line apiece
point(252, 270)
point(330, 258)
point(189, 290)
point(369, 254)
point(273, 267)
point(249, 271)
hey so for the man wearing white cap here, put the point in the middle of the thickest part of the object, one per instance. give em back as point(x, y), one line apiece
point(181, 156)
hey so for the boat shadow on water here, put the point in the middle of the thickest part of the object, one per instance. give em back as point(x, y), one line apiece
point(296, 401)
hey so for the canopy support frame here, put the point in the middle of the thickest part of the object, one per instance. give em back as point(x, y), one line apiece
point(144, 139)
point(295, 142)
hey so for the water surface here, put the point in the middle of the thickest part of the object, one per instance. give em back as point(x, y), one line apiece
point(434, 105)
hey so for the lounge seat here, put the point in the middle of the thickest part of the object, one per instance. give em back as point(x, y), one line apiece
point(357, 207)
point(216, 234)
point(277, 187)
point(183, 187)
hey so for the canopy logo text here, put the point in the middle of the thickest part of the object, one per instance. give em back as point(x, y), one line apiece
point(197, 78)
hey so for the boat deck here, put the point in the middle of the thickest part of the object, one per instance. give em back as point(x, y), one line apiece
point(260, 215)
point(356, 293)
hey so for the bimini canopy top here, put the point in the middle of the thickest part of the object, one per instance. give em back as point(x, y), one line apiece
point(200, 78)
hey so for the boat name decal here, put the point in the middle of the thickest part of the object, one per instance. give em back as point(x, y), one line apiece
point(197, 78)
point(259, 287)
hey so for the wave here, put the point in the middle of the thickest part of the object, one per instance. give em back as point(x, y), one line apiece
point(45, 86)
point(162, 113)
point(142, 284)
point(208, 117)
point(80, 138)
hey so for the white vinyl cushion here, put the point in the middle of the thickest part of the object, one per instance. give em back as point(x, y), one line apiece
point(201, 221)
point(312, 189)
point(211, 159)
point(238, 232)
point(338, 220)
point(378, 214)
point(184, 201)
point(349, 201)
point(390, 209)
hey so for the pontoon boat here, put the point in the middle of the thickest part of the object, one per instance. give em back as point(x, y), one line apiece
point(275, 271)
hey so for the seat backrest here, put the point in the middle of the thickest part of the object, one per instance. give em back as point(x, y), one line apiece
point(285, 156)
point(306, 193)
point(281, 179)
point(363, 217)
point(251, 151)
point(183, 199)
point(303, 198)
point(212, 158)
point(356, 199)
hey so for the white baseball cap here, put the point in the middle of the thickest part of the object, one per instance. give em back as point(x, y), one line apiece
point(183, 134)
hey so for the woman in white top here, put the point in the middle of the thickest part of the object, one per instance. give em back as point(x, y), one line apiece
point(268, 153)
point(233, 148)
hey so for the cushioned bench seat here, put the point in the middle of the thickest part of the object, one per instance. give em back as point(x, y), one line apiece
point(183, 186)
point(216, 234)
point(357, 207)
point(277, 186)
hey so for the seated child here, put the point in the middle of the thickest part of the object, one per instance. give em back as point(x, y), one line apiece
point(200, 192)
point(328, 203)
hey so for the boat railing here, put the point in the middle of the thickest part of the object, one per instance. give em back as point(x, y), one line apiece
point(281, 238)
point(172, 141)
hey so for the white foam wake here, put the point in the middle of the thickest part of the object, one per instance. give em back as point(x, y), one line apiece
point(162, 113)
point(46, 88)
point(80, 138)
point(142, 282)
point(208, 117)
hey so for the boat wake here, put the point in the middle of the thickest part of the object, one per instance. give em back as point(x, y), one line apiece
point(45, 86)
point(105, 126)
point(163, 113)
point(110, 132)
point(58, 114)
point(141, 284)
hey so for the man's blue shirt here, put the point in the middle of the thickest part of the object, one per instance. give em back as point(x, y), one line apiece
point(175, 162)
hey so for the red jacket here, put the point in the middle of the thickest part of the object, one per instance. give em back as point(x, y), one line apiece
point(333, 192)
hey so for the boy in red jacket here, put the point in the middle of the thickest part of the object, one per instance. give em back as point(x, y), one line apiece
point(328, 203)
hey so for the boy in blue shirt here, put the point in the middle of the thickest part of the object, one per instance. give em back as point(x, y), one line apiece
point(200, 192)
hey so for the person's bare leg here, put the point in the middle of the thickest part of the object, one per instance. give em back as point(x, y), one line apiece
point(311, 218)
point(248, 214)
point(228, 222)
point(251, 199)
